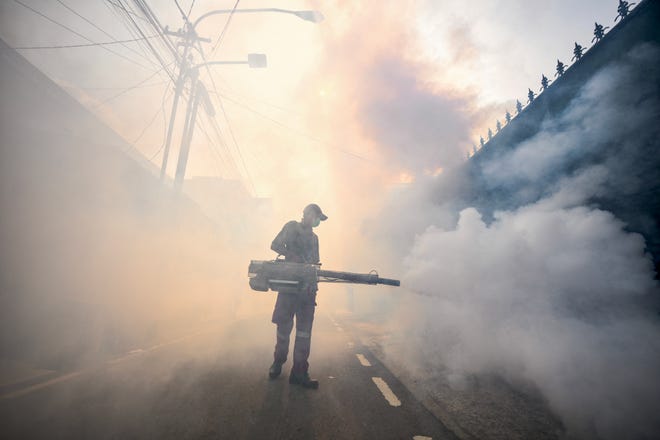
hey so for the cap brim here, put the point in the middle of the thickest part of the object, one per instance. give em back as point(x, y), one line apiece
point(323, 217)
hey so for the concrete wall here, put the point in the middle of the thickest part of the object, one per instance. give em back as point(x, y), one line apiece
point(96, 255)
point(637, 202)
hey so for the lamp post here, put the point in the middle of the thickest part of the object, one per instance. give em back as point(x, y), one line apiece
point(190, 36)
point(198, 92)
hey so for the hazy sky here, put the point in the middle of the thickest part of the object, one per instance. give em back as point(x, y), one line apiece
point(406, 86)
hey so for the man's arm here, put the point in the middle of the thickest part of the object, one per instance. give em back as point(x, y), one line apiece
point(279, 243)
point(315, 252)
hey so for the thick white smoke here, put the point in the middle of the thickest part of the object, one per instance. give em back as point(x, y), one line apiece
point(547, 296)
point(554, 293)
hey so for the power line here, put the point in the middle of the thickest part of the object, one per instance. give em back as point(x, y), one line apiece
point(183, 14)
point(103, 31)
point(69, 46)
point(158, 27)
point(153, 50)
point(217, 95)
point(302, 133)
point(78, 33)
point(162, 144)
point(128, 89)
point(240, 155)
point(160, 83)
point(150, 123)
point(222, 163)
point(224, 29)
point(126, 10)
point(121, 14)
point(192, 5)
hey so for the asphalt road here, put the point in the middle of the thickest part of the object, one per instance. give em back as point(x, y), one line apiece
point(213, 383)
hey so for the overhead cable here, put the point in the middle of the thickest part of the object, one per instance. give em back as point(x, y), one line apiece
point(128, 89)
point(153, 50)
point(224, 29)
point(69, 46)
point(192, 5)
point(150, 123)
point(158, 27)
point(302, 133)
point(231, 132)
point(104, 32)
point(127, 11)
point(78, 33)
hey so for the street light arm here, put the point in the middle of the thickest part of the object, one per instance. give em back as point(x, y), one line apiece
point(255, 60)
point(313, 16)
point(214, 63)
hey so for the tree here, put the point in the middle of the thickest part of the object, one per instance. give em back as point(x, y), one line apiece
point(560, 68)
point(599, 32)
point(623, 9)
point(577, 52)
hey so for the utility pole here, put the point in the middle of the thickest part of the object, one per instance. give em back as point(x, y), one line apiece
point(198, 94)
point(189, 38)
point(187, 71)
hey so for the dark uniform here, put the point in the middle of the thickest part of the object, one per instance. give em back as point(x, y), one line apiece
point(298, 244)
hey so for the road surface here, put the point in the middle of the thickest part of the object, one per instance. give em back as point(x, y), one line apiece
point(213, 383)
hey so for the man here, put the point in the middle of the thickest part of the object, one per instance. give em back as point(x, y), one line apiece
point(298, 244)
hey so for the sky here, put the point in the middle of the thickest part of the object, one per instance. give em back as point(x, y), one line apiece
point(319, 103)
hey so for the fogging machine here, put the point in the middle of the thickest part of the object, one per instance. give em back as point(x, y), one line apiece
point(279, 275)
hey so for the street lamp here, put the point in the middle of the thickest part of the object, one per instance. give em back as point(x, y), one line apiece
point(191, 36)
point(199, 93)
point(254, 61)
point(313, 16)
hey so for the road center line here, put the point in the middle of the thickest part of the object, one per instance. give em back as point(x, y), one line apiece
point(363, 360)
point(386, 391)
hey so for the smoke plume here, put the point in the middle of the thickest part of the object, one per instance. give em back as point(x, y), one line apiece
point(553, 292)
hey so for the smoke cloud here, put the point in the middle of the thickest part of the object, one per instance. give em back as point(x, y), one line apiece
point(553, 292)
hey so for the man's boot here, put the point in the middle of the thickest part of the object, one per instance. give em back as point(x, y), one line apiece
point(275, 370)
point(303, 380)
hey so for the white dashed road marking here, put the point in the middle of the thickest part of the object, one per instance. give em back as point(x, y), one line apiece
point(422, 437)
point(363, 360)
point(386, 391)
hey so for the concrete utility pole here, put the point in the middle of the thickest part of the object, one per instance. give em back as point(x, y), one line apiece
point(197, 90)
point(189, 38)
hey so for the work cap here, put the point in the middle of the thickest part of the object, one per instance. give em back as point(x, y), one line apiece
point(313, 207)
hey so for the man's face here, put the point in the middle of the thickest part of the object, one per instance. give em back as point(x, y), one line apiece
point(312, 219)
